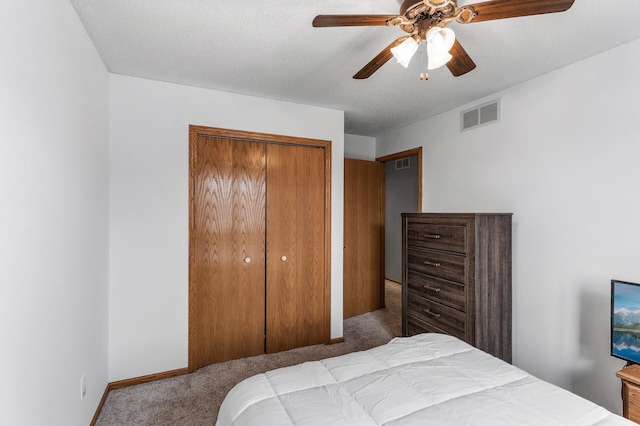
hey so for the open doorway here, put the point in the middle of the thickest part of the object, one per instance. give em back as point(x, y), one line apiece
point(402, 194)
point(375, 196)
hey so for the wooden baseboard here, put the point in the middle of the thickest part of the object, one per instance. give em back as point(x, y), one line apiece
point(148, 378)
point(132, 382)
point(100, 405)
point(336, 340)
point(394, 281)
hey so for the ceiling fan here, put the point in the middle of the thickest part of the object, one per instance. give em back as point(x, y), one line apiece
point(427, 21)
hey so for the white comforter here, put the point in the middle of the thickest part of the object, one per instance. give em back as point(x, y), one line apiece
point(428, 379)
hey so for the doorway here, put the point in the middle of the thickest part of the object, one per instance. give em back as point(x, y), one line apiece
point(402, 194)
point(373, 234)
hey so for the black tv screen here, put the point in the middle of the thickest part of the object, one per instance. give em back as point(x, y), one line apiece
point(625, 321)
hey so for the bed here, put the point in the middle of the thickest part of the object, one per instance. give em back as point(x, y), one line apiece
point(428, 379)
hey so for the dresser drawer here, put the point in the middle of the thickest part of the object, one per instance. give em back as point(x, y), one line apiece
point(415, 326)
point(451, 267)
point(436, 236)
point(442, 291)
point(449, 320)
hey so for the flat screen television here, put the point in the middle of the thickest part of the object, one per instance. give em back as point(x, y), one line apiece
point(625, 321)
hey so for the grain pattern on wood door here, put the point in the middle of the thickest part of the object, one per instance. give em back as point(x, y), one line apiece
point(363, 226)
point(310, 230)
point(295, 247)
point(227, 240)
point(281, 247)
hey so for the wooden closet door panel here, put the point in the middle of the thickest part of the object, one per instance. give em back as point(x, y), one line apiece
point(363, 227)
point(295, 229)
point(227, 237)
point(282, 171)
point(310, 231)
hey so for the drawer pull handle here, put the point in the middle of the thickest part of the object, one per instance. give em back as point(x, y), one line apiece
point(429, 263)
point(431, 236)
point(435, 289)
point(433, 314)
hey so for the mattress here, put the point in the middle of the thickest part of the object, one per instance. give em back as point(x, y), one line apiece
point(428, 379)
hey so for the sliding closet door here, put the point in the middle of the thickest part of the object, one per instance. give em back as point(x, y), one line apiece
point(310, 230)
point(227, 249)
point(295, 247)
point(259, 238)
point(281, 247)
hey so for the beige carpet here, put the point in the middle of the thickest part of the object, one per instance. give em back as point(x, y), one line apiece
point(194, 399)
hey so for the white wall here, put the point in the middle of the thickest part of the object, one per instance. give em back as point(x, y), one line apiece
point(564, 159)
point(53, 216)
point(359, 147)
point(149, 212)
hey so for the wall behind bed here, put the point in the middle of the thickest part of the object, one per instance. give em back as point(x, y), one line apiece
point(564, 159)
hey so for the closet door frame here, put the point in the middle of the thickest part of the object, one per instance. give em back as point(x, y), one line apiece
point(194, 132)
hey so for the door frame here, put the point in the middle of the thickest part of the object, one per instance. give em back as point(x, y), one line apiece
point(194, 132)
point(385, 159)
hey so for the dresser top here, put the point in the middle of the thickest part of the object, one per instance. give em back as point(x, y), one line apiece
point(463, 215)
point(630, 374)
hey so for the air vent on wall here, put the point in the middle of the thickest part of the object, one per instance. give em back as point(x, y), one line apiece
point(403, 163)
point(481, 115)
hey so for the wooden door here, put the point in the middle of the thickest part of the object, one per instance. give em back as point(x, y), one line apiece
point(295, 247)
point(363, 227)
point(230, 294)
point(310, 230)
point(227, 249)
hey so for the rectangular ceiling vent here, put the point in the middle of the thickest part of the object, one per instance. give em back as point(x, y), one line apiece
point(480, 116)
point(403, 163)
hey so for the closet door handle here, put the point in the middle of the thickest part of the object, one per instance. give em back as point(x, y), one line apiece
point(247, 260)
point(434, 289)
point(283, 258)
point(430, 263)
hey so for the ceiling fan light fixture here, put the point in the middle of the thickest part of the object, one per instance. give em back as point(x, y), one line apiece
point(440, 40)
point(436, 61)
point(405, 51)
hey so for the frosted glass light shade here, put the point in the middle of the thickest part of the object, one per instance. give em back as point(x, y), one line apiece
point(405, 51)
point(439, 42)
point(436, 61)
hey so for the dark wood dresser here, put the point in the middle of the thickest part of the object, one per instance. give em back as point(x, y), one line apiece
point(456, 278)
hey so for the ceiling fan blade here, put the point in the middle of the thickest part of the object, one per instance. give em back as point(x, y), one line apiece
point(501, 9)
point(461, 63)
point(380, 59)
point(351, 20)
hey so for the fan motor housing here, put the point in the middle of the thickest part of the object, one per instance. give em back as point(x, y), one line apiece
point(426, 4)
point(424, 14)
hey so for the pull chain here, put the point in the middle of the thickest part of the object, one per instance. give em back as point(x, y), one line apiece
point(424, 75)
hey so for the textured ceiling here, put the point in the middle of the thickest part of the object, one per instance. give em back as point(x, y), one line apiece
point(269, 49)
